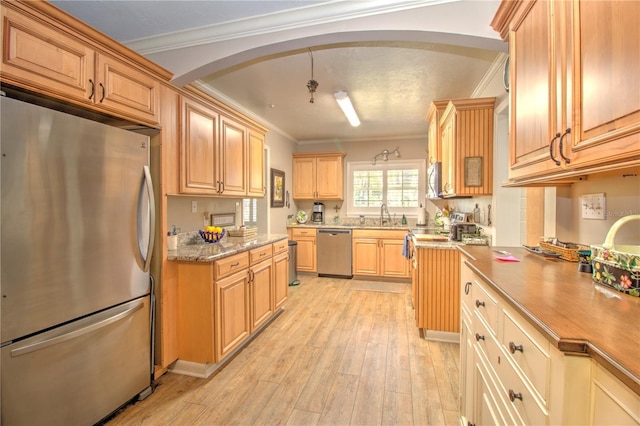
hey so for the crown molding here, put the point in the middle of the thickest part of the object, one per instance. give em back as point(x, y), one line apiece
point(327, 12)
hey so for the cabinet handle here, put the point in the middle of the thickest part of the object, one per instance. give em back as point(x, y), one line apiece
point(467, 287)
point(263, 254)
point(103, 92)
point(252, 275)
point(555, 160)
point(513, 395)
point(479, 303)
point(93, 89)
point(222, 184)
point(218, 190)
point(235, 264)
point(566, 159)
point(479, 337)
point(513, 348)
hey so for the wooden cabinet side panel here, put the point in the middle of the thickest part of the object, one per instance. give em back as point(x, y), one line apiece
point(440, 289)
point(195, 312)
point(199, 153)
point(44, 59)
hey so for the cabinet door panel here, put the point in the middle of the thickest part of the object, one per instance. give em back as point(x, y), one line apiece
point(232, 313)
point(606, 83)
point(124, 90)
point(261, 293)
point(329, 178)
point(366, 257)
point(256, 165)
point(304, 172)
point(233, 161)
point(394, 264)
point(533, 99)
point(45, 59)
point(199, 153)
point(306, 254)
point(281, 279)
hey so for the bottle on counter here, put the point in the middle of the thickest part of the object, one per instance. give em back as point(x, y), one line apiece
point(404, 220)
point(476, 214)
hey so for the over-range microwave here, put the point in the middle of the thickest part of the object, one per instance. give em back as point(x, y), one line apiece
point(434, 180)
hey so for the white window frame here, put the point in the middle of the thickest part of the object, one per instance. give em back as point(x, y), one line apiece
point(354, 166)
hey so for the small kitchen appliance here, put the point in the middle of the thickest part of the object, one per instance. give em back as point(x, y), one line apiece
point(318, 213)
point(461, 223)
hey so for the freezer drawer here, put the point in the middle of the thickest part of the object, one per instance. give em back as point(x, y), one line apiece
point(78, 373)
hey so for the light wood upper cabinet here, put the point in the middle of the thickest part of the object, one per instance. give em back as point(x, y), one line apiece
point(434, 115)
point(50, 53)
point(466, 131)
point(233, 157)
point(255, 172)
point(575, 95)
point(199, 153)
point(318, 176)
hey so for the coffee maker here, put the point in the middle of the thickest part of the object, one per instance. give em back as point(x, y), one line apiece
point(318, 213)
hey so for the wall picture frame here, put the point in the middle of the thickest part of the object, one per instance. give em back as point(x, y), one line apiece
point(277, 188)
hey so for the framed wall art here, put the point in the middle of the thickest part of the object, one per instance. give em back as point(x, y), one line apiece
point(277, 188)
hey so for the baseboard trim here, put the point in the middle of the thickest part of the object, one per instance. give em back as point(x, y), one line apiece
point(442, 336)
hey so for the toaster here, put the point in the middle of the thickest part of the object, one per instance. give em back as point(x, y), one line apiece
point(458, 229)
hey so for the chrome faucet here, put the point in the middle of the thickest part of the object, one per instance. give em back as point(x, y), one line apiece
point(383, 210)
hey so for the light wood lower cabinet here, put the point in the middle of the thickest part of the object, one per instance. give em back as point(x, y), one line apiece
point(378, 253)
point(221, 303)
point(611, 402)
point(306, 248)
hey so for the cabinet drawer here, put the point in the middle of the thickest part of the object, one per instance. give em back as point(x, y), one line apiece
point(529, 352)
point(260, 254)
point(487, 343)
point(520, 396)
point(231, 264)
point(485, 304)
point(305, 232)
point(396, 234)
point(280, 246)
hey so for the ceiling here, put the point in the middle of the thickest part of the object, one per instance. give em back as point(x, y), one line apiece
point(393, 57)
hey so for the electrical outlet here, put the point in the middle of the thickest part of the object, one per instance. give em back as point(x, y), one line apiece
point(194, 207)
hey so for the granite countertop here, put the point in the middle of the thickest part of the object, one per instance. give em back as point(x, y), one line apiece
point(196, 250)
point(575, 314)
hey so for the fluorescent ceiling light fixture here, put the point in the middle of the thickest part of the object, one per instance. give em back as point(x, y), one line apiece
point(345, 103)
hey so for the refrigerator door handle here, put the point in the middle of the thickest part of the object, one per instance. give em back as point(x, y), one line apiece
point(152, 218)
point(128, 311)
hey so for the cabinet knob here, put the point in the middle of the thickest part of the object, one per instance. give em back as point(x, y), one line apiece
point(479, 337)
point(479, 303)
point(467, 287)
point(566, 159)
point(513, 395)
point(555, 160)
point(513, 348)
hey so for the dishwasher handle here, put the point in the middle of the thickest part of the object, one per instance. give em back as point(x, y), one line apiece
point(334, 232)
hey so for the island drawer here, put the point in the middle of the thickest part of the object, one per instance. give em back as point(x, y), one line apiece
point(230, 265)
point(261, 253)
point(485, 304)
point(529, 351)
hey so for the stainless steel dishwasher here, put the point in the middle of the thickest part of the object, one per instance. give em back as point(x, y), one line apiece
point(334, 252)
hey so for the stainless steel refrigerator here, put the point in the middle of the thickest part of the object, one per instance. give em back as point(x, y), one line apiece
point(77, 211)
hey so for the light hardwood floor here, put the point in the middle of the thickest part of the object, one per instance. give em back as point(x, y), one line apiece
point(334, 356)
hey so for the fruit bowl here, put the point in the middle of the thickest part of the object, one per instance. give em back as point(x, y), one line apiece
point(212, 237)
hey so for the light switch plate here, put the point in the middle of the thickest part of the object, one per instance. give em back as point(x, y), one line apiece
point(593, 206)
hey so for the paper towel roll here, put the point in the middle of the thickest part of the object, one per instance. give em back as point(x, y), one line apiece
point(422, 216)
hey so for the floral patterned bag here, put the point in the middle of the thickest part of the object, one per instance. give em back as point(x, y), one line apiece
point(617, 266)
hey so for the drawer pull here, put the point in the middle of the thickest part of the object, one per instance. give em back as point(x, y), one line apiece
point(235, 264)
point(479, 303)
point(479, 337)
point(513, 395)
point(263, 254)
point(467, 287)
point(513, 348)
